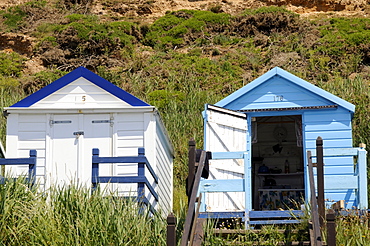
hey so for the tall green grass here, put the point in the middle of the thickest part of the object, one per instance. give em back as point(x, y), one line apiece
point(71, 215)
point(351, 230)
point(357, 92)
point(8, 96)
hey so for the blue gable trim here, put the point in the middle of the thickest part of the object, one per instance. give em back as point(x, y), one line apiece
point(292, 78)
point(72, 76)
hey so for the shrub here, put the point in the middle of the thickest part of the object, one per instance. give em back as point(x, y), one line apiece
point(181, 27)
point(13, 17)
point(39, 80)
point(11, 64)
point(269, 9)
point(162, 98)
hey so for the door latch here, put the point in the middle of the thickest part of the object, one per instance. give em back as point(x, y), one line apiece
point(79, 133)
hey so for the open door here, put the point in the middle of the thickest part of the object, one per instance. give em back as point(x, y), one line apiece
point(225, 131)
point(277, 162)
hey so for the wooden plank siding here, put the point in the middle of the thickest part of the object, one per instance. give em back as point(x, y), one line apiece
point(268, 95)
point(81, 111)
point(225, 133)
point(280, 99)
point(83, 93)
point(335, 128)
point(129, 130)
point(164, 169)
point(27, 132)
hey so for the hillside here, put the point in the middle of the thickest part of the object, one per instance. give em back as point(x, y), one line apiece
point(23, 41)
point(179, 55)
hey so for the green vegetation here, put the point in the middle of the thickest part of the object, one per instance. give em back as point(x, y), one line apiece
point(182, 61)
point(13, 17)
point(70, 215)
point(270, 9)
point(344, 48)
point(11, 64)
point(94, 36)
point(353, 230)
point(179, 83)
point(170, 30)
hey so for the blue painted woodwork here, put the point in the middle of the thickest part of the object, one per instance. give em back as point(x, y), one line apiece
point(72, 76)
point(276, 82)
point(31, 162)
point(346, 186)
point(278, 93)
point(254, 214)
point(259, 217)
point(141, 179)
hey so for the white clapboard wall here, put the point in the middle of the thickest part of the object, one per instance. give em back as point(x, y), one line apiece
point(81, 111)
point(225, 131)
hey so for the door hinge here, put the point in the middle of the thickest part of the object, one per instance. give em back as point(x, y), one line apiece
point(52, 122)
point(110, 121)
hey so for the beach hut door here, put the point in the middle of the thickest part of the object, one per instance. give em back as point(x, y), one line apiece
point(72, 139)
point(225, 132)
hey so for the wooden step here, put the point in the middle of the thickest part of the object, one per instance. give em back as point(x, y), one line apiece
point(273, 222)
point(244, 231)
point(275, 217)
point(278, 217)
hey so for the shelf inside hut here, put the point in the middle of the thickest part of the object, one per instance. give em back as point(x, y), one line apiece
point(277, 163)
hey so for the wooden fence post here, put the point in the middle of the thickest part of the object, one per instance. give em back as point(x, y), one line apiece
point(315, 233)
point(193, 197)
point(95, 170)
point(171, 230)
point(330, 226)
point(320, 180)
point(191, 168)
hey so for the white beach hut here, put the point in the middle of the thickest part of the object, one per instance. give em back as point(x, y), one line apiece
point(66, 119)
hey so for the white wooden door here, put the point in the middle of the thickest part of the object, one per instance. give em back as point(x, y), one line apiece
point(225, 131)
point(64, 150)
point(97, 134)
point(72, 139)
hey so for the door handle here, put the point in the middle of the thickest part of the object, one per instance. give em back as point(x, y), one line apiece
point(79, 133)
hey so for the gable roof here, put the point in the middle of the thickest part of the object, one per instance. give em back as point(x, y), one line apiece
point(73, 76)
point(291, 78)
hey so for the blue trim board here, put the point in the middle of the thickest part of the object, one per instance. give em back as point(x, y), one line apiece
point(290, 77)
point(221, 185)
point(72, 76)
point(276, 214)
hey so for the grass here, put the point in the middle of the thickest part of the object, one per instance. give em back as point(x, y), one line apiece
point(70, 215)
point(353, 230)
point(190, 58)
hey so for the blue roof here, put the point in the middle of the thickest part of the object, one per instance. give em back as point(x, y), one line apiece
point(238, 95)
point(72, 76)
